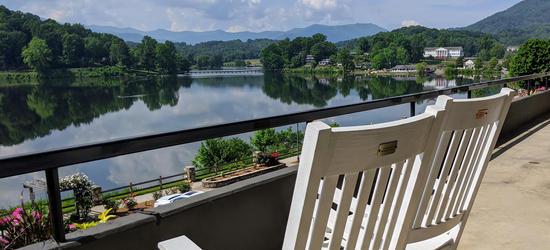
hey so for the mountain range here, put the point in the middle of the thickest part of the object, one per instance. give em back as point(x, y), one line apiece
point(527, 19)
point(335, 33)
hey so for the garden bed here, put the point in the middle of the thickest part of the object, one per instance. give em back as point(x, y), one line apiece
point(239, 175)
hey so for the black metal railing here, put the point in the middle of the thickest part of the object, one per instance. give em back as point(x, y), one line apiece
point(49, 161)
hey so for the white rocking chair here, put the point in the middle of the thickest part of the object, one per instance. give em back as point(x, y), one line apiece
point(380, 165)
point(404, 184)
point(469, 134)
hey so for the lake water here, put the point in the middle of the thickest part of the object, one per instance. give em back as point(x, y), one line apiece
point(52, 115)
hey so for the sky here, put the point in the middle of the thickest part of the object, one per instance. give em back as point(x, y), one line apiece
point(261, 15)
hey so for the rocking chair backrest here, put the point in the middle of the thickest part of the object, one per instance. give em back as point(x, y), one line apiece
point(469, 132)
point(379, 165)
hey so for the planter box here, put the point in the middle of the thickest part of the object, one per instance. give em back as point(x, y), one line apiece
point(218, 181)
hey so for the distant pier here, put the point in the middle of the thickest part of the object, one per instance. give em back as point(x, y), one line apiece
point(226, 72)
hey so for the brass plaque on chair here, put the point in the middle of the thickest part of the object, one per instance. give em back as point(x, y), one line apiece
point(387, 148)
point(482, 113)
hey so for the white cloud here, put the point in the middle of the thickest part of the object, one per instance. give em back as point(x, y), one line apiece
point(257, 15)
point(320, 4)
point(408, 23)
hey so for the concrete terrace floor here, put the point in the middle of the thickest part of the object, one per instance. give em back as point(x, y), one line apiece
point(512, 208)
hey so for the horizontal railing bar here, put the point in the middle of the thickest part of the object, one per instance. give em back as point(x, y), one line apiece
point(33, 162)
point(143, 182)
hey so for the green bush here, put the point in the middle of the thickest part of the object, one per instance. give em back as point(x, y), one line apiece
point(215, 153)
point(184, 187)
point(264, 139)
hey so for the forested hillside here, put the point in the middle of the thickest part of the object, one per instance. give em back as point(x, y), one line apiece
point(525, 20)
point(407, 44)
point(230, 50)
point(67, 45)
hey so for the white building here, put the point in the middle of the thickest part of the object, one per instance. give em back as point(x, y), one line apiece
point(310, 59)
point(443, 52)
point(325, 62)
point(512, 49)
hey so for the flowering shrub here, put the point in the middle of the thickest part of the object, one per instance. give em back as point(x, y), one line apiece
point(173, 190)
point(268, 159)
point(130, 202)
point(22, 228)
point(83, 193)
point(157, 195)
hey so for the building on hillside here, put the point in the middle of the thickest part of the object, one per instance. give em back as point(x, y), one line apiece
point(403, 69)
point(310, 59)
point(325, 62)
point(469, 64)
point(443, 53)
point(512, 49)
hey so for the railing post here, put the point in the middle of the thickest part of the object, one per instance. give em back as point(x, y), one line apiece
point(54, 202)
point(469, 94)
point(413, 108)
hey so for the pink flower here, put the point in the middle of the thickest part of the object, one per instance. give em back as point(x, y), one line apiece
point(3, 241)
point(72, 227)
point(17, 213)
point(37, 215)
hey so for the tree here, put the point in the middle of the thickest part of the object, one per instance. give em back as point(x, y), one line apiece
point(498, 51)
point(532, 57)
point(323, 50)
point(271, 58)
point(11, 45)
point(73, 48)
point(119, 53)
point(492, 66)
point(346, 60)
point(203, 62)
point(95, 49)
point(147, 53)
point(263, 139)
point(38, 56)
point(459, 62)
point(182, 63)
point(213, 154)
point(379, 61)
point(363, 44)
point(401, 56)
point(216, 61)
point(478, 64)
point(421, 68)
point(166, 58)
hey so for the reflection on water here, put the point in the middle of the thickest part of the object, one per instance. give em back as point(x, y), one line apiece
point(40, 117)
